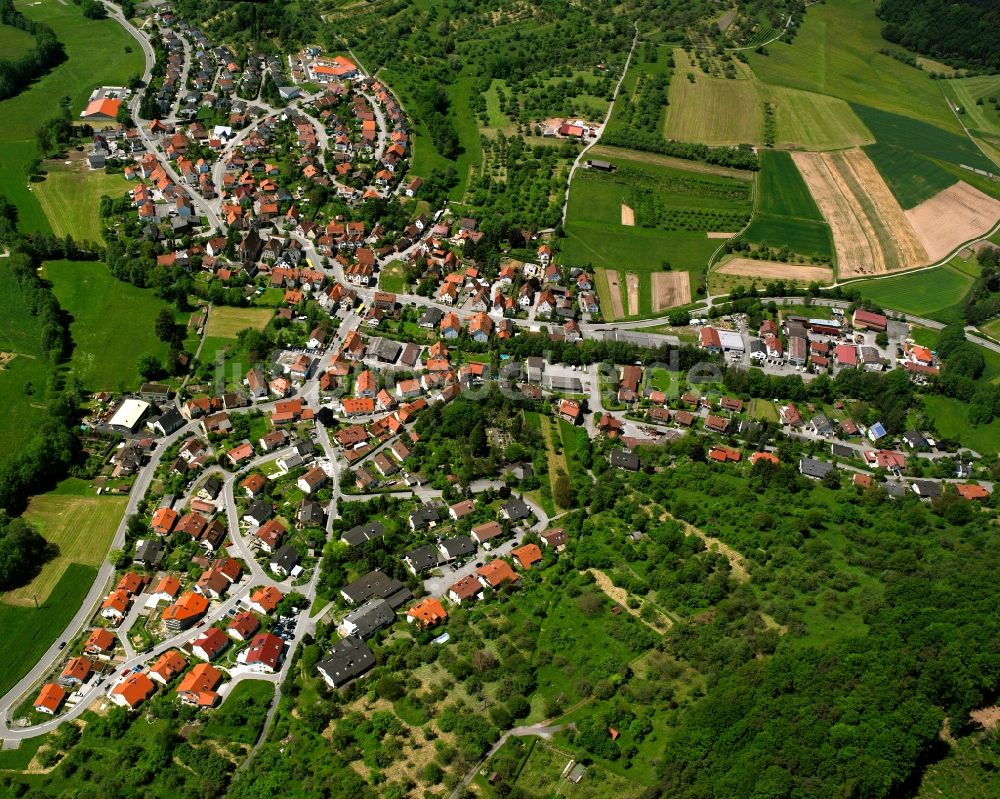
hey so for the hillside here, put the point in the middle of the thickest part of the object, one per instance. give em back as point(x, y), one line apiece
point(960, 32)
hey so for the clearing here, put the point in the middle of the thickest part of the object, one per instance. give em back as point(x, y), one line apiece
point(776, 270)
point(952, 217)
point(82, 526)
point(611, 296)
point(670, 289)
point(628, 216)
point(632, 286)
point(71, 194)
point(226, 322)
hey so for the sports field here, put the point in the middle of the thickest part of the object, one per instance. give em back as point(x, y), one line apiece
point(81, 524)
point(112, 322)
point(836, 53)
point(224, 322)
point(932, 293)
point(70, 196)
point(24, 371)
point(713, 111)
point(811, 121)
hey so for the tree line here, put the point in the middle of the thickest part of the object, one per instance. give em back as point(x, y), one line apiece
point(17, 73)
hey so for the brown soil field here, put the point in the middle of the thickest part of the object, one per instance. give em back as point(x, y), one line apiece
point(776, 270)
point(719, 234)
point(670, 289)
point(632, 284)
point(987, 717)
point(628, 216)
point(613, 281)
point(871, 233)
point(952, 217)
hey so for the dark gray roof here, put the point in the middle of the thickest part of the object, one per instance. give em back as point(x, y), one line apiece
point(384, 349)
point(213, 485)
point(348, 659)
point(423, 516)
point(843, 451)
point(285, 558)
point(431, 316)
point(170, 421)
point(310, 513)
point(459, 546)
point(516, 509)
point(811, 467)
point(259, 511)
point(423, 558)
point(927, 488)
point(624, 459)
point(149, 552)
point(363, 532)
point(376, 583)
point(371, 617)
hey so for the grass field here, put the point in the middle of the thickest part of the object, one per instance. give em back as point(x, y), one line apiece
point(227, 322)
point(982, 120)
point(392, 277)
point(99, 52)
point(29, 632)
point(811, 121)
point(836, 53)
point(951, 417)
point(112, 322)
point(713, 111)
point(20, 334)
point(763, 410)
point(787, 215)
point(933, 293)
point(71, 194)
point(81, 525)
point(911, 177)
point(14, 42)
point(639, 66)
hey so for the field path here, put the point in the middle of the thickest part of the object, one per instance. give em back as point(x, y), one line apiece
point(736, 561)
point(620, 595)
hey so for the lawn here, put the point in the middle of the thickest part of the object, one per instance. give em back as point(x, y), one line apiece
point(81, 525)
point(71, 194)
point(951, 417)
point(14, 42)
point(810, 121)
point(836, 53)
point(933, 293)
point(764, 410)
point(713, 111)
point(28, 632)
point(20, 334)
point(99, 52)
point(392, 277)
point(224, 322)
point(112, 322)
point(556, 460)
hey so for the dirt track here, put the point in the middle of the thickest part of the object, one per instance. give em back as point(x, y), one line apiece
point(613, 281)
point(670, 289)
point(952, 217)
point(632, 285)
point(628, 216)
point(776, 270)
point(719, 234)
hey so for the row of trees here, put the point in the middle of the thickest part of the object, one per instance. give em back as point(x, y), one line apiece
point(17, 73)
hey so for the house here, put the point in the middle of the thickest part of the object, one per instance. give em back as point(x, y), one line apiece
point(495, 573)
point(527, 555)
point(167, 667)
point(164, 591)
point(862, 481)
point(253, 485)
point(426, 614)
point(376, 584)
point(425, 516)
point(269, 535)
point(421, 559)
point(76, 672)
point(468, 587)
point(368, 619)
point(709, 338)
point(185, 611)
point(212, 584)
point(312, 480)
point(49, 699)
point(926, 489)
point(163, 521)
point(724, 454)
point(767, 457)
point(625, 459)
point(115, 606)
point(240, 454)
point(349, 659)
point(867, 320)
point(284, 560)
point(100, 643)
point(210, 644)
point(265, 600)
point(257, 513)
point(515, 510)
point(362, 533)
point(485, 533)
point(148, 553)
point(263, 654)
point(716, 424)
point(810, 467)
point(555, 537)
point(461, 509)
point(971, 491)
point(198, 686)
point(131, 692)
point(570, 410)
point(451, 327)
point(456, 547)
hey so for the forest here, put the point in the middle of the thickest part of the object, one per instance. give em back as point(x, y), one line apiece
point(959, 32)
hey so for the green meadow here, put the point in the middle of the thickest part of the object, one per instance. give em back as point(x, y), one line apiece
point(932, 293)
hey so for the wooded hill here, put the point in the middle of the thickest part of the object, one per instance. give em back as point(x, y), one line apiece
point(960, 32)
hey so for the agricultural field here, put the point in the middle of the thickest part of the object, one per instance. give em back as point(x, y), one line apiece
point(99, 52)
point(23, 374)
point(978, 97)
point(786, 213)
point(932, 293)
point(14, 42)
point(811, 121)
point(225, 322)
point(952, 217)
point(70, 197)
point(776, 270)
point(80, 523)
point(112, 323)
point(28, 632)
point(871, 234)
point(911, 177)
point(709, 110)
point(835, 53)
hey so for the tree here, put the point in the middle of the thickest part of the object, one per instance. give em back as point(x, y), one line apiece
point(562, 491)
point(166, 329)
point(882, 339)
point(149, 367)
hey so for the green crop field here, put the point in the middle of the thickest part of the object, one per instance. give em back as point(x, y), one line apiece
point(28, 632)
point(811, 121)
point(99, 52)
point(81, 524)
point(14, 42)
point(933, 293)
point(714, 111)
point(911, 177)
point(20, 336)
point(787, 214)
point(112, 322)
point(71, 194)
point(836, 53)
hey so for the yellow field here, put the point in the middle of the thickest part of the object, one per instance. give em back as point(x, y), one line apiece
point(713, 111)
point(81, 526)
point(70, 197)
point(810, 121)
point(227, 322)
